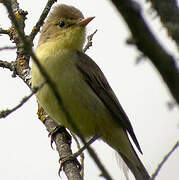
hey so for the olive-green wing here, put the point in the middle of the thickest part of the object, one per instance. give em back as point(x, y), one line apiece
point(97, 81)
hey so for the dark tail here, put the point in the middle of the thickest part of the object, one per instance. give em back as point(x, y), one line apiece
point(119, 140)
point(138, 169)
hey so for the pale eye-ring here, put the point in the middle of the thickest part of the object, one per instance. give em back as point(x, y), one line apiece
point(61, 24)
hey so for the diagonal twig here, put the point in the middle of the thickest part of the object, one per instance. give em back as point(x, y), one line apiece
point(3, 31)
point(7, 65)
point(89, 41)
point(8, 48)
point(92, 140)
point(168, 12)
point(164, 160)
point(40, 22)
point(5, 113)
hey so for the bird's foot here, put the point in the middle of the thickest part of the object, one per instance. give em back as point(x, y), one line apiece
point(68, 159)
point(59, 129)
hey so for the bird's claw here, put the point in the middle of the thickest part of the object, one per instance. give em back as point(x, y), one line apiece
point(68, 159)
point(59, 129)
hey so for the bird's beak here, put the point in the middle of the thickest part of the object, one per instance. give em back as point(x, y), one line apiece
point(84, 22)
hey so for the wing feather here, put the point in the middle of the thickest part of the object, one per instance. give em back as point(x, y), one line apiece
point(97, 81)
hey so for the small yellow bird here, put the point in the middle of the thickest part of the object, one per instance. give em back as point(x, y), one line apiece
point(85, 92)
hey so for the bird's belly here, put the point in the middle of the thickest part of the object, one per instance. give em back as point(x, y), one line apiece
point(87, 112)
point(84, 107)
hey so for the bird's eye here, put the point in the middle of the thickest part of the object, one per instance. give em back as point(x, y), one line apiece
point(61, 24)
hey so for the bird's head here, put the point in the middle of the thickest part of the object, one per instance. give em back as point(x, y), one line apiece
point(65, 27)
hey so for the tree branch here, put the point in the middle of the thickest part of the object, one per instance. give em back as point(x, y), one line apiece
point(5, 113)
point(7, 48)
point(148, 44)
point(40, 22)
point(89, 41)
point(164, 160)
point(7, 65)
point(168, 12)
point(63, 146)
point(3, 31)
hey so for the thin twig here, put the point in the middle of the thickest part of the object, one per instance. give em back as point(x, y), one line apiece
point(14, 21)
point(81, 155)
point(40, 22)
point(164, 160)
point(7, 65)
point(5, 113)
point(92, 140)
point(80, 150)
point(89, 41)
point(3, 31)
point(8, 48)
